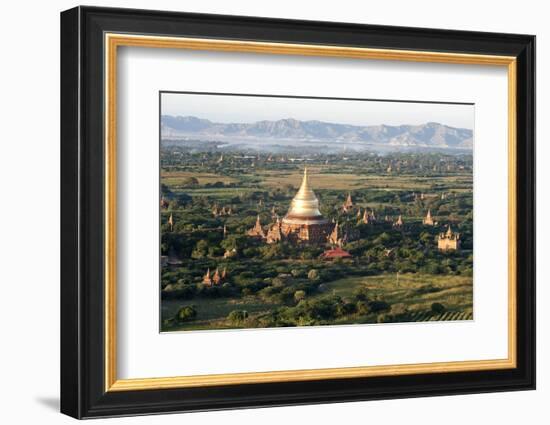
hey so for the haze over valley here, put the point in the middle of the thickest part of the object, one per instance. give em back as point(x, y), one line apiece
point(277, 136)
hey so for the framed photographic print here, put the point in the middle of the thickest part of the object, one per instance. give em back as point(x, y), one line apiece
point(261, 212)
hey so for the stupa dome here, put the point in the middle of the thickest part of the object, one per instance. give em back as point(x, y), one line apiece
point(304, 208)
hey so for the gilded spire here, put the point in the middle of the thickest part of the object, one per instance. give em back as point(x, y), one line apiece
point(305, 192)
point(305, 203)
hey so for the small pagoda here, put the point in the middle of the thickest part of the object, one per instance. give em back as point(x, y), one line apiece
point(206, 279)
point(428, 220)
point(449, 240)
point(274, 234)
point(399, 223)
point(348, 204)
point(257, 230)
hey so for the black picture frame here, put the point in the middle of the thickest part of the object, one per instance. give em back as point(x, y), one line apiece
point(83, 392)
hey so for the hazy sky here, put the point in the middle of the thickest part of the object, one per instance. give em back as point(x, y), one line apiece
point(247, 109)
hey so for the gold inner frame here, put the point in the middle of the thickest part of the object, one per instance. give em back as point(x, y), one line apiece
point(113, 41)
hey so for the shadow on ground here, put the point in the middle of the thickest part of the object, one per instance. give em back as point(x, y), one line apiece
point(49, 402)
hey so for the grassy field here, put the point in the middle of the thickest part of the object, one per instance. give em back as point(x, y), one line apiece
point(219, 193)
point(213, 311)
point(324, 179)
point(174, 178)
point(340, 181)
point(415, 291)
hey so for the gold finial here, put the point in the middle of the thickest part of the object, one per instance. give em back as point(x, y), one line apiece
point(304, 187)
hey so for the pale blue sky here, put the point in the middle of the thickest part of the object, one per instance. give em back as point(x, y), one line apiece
point(247, 109)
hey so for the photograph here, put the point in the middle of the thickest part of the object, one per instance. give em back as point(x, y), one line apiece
point(286, 211)
point(300, 208)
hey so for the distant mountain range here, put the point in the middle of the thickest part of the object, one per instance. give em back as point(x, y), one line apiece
point(430, 135)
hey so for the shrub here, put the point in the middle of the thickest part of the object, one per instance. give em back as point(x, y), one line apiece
point(245, 278)
point(250, 252)
point(190, 182)
point(323, 309)
point(215, 251)
point(278, 282)
point(438, 308)
point(178, 290)
point(297, 273)
point(427, 289)
point(299, 295)
point(201, 249)
point(313, 274)
point(399, 309)
point(362, 307)
point(378, 306)
point(237, 316)
point(361, 293)
point(186, 313)
point(345, 308)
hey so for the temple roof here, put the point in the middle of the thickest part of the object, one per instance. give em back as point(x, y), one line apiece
point(335, 253)
point(449, 234)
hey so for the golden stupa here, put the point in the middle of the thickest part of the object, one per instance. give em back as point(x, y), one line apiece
point(304, 222)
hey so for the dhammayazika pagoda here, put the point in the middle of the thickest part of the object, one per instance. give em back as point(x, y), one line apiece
point(303, 221)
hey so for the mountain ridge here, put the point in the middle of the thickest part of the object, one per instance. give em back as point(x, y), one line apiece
point(430, 134)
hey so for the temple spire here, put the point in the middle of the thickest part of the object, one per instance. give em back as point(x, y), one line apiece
point(349, 202)
point(365, 217)
point(206, 278)
point(428, 220)
point(305, 191)
point(399, 222)
point(305, 203)
point(257, 230)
